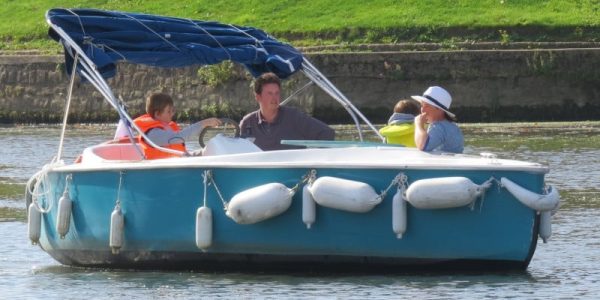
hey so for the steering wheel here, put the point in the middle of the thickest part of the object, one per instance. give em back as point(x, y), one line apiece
point(224, 123)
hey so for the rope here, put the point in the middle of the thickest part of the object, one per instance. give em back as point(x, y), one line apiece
point(79, 19)
point(156, 33)
point(30, 187)
point(316, 77)
point(117, 207)
point(217, 41)
point(38, 190)
point(87, 39)
point(401, 180)
point(111, 49)
point(309, 177)
point(289, 98)
point(118, 202)
point(488, 183)
point(258, 43)
point(205, 182)
point(68, 180)
point(208, 174)
point(67, 107)
point(481, 191)
point(403, 184)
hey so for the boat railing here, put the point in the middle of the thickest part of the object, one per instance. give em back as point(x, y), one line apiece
point(319, 79)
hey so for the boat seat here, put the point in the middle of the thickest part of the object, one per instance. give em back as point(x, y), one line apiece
point(221, 145)
point(218, 145)
point(110, 151)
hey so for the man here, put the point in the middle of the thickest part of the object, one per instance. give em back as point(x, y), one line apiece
point(272, 123)
point(443, 134)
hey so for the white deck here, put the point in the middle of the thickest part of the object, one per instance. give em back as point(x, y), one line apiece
point(124, 156)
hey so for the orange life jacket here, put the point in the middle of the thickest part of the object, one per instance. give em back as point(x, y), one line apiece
point(145, 123)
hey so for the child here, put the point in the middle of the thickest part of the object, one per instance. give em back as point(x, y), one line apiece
point(158, 125)
point(401, 127)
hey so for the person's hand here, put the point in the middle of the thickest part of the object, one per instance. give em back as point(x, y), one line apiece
point(210, 122)
point(420, 121)
point(420, 131)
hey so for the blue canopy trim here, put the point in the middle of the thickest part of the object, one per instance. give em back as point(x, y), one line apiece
point(109, 36)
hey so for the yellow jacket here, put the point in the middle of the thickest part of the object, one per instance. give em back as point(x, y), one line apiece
point(402, 134)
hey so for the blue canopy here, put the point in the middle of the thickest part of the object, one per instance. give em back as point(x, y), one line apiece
point(109, 36)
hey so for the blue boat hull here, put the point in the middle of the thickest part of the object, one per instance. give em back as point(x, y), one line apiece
point(159, 207)
point(159, 198)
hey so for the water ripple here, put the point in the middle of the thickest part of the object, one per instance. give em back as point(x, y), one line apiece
point(565, 268)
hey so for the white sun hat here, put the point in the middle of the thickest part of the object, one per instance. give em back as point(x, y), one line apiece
point(437, 97)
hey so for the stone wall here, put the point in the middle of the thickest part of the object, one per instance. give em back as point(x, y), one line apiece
point(487, 86)
point(515, 85)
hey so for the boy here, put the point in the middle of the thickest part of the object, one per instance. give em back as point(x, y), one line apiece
point(400, 128)
point(158, 125)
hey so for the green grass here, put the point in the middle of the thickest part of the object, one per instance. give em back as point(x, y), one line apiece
point(341, 21)
point(11, 190)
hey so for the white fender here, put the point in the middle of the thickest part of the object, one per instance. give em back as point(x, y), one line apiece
point(34, 223)
point(309, 208)
point(117, 226)
point(203, 227)
point(399, 214)
point(63, 218)
point(545, 225)
point(444, 192)
point(532, 200)
point(344, 194)
point(259, 203)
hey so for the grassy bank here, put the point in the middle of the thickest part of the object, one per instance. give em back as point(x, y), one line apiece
point(341, 21)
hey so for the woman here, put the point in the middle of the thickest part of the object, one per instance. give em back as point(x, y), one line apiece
point(442, 134)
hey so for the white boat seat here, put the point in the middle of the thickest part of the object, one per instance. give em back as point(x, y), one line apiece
point(117, 151)
point(221, 145)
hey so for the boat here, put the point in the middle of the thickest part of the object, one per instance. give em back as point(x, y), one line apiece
point(335, 206)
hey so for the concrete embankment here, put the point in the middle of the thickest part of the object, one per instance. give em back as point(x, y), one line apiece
point(487, 85)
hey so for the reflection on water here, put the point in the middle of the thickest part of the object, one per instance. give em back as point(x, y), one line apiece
point(546, 137)
point(9, 214)
point(588, 198)
point(571, 150)
point(567, 267)
point(11, 190)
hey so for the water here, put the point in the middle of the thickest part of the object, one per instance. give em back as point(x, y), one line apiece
point(567, 267)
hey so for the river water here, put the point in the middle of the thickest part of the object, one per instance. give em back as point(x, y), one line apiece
point(565, 268)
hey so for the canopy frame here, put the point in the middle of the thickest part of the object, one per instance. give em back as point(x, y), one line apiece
point(90, 72)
